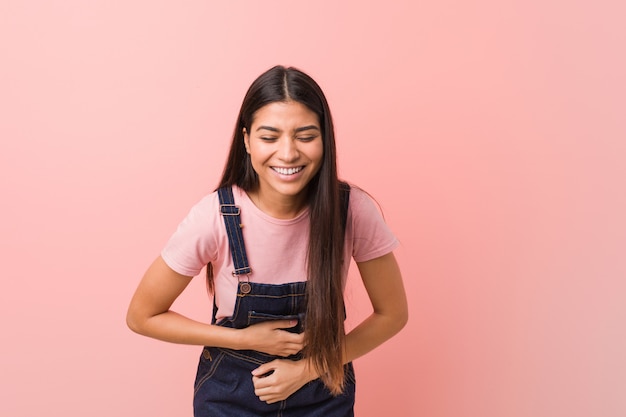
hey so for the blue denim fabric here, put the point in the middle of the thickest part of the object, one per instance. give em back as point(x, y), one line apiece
point(232, 220)
point(223, 386)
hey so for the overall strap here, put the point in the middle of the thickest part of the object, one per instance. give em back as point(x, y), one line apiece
point(232, 219)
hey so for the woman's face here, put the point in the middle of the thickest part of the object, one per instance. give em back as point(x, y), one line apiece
point(286, 150)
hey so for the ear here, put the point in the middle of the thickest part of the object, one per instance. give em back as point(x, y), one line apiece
point(246, 139)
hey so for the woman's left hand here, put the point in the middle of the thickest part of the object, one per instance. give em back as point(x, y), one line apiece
point(276, 380)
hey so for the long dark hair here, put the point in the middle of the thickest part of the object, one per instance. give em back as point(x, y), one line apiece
point(325, 313)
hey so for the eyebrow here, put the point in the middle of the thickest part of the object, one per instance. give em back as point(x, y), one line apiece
point(299, 129)
point(310, 127)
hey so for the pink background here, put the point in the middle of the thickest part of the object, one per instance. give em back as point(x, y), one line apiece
point(492, 133)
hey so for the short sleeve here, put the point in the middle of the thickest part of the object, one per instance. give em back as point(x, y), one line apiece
point(371, 237)
point(194, 243)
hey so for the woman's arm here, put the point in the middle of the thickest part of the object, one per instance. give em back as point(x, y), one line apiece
point(149, 314)
point(383, 283)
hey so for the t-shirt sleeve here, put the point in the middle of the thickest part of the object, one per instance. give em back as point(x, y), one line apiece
point(371, 237)
point(193, 244)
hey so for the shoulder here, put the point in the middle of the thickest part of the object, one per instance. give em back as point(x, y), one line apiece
point(364, 211)
point(203, 210)
point(361, 201)
point(366, 228)
point(196, 239)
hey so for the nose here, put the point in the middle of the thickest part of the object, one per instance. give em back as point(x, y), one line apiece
point(288, 149)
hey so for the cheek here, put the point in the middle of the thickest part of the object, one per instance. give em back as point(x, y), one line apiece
point(259, 155)
point(319, 153)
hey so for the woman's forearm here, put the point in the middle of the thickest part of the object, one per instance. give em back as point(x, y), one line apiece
point(267, 337)
point(176, 328)
point(383, 282)
point(149, 312)
point(371, 333)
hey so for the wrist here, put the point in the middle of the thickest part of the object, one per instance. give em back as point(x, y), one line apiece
point(240, 339)
point(309, 370)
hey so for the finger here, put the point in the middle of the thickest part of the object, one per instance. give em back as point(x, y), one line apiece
point(264, 369)
point(268, 394)
point(264, 386)
point(260, 385)
point(269, 399)
point(285, 324)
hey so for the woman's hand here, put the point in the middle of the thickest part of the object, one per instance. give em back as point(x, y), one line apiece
point(269, 337)
point(276, 380)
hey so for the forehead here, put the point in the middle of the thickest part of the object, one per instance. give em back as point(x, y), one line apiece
point(285, 115)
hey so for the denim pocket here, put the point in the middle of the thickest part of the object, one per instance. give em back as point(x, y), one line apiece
point(255, 317)
point(209, 361)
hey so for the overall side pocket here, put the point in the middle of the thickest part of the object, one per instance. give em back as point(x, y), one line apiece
point(207, 365)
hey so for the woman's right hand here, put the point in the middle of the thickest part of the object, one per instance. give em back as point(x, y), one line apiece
point(271, 338)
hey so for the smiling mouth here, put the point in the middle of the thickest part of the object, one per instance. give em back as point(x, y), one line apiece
point(288, 171)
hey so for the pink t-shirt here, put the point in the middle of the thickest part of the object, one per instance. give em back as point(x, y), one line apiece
point(276, 248)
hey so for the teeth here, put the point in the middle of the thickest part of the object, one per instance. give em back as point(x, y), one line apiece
point(287, 171)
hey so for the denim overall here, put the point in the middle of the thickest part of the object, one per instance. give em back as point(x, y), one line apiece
point(223, 386)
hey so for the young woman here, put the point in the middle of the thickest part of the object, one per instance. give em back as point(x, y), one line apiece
point(276, 239)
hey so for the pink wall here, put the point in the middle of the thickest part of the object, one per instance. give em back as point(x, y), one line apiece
point(505, 120)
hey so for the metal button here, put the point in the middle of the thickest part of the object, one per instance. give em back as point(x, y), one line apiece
point(245, 287)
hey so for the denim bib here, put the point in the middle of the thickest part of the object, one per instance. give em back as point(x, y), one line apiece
point(223, 385)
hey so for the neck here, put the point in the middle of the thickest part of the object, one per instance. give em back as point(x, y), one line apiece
point(279, 206)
